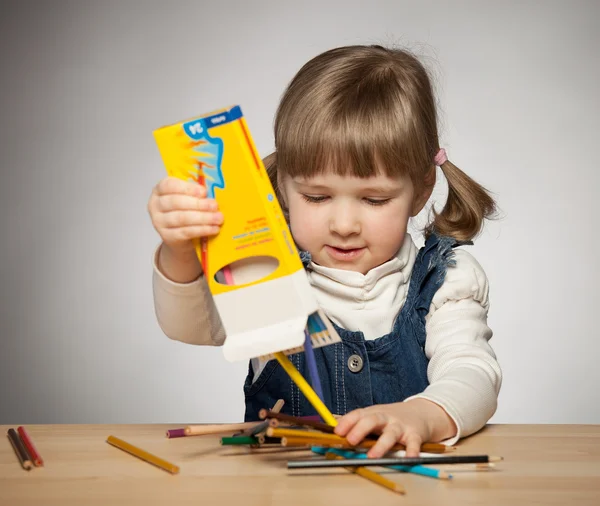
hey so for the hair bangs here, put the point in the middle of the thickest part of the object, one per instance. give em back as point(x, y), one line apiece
point(361, 140)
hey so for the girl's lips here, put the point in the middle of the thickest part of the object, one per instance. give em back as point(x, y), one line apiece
point(344, 254)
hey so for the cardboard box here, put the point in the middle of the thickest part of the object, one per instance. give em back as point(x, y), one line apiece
point(267, 308)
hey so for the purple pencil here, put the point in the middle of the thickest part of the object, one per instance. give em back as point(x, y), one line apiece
point(171, 433)
point(312, 365)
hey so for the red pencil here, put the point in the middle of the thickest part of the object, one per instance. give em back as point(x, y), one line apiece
point(35, 456)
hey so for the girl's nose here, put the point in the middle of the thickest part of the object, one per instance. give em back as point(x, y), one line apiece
point(344, 221)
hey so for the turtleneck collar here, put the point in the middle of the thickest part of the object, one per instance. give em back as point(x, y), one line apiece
point(367, 302)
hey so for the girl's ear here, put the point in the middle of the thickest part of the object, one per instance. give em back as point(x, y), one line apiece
point(421, 198)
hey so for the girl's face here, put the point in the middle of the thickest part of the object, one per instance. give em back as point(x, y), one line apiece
point(349, 223)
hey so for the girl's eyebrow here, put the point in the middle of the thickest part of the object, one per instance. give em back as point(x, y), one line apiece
point(308, 184)
point(375, 189)
point(382, 189)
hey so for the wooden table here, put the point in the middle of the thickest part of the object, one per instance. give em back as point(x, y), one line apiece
point(543, 464)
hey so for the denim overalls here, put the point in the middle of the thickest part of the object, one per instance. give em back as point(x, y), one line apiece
point(357, 373)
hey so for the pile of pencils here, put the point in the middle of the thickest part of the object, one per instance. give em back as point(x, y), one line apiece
point(310, 433)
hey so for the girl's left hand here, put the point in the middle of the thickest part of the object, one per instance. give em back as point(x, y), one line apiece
point(410, 423)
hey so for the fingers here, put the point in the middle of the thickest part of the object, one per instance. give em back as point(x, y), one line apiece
point(413, 444)
point(176, 219)
point(389, 437)
point(357, 424)
point(346, 422)
point(181, 234)
point(181, 212)
point(174, 185)
point(363, 422)
point(178, 202)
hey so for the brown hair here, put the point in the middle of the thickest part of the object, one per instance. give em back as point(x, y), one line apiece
point(360, 110)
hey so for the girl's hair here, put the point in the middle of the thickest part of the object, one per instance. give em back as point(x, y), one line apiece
point(364, 110)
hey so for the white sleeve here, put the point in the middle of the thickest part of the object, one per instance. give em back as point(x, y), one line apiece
point(186, 312)
point(463, 373)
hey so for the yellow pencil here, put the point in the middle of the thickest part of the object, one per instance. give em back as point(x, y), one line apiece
point(306, 389)
point(370, 475)
point(143, 455)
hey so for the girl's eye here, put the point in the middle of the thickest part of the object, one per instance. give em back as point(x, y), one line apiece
point(377, 202)
point(314, 199)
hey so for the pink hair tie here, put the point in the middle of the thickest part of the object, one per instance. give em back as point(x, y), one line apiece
point(440, 158)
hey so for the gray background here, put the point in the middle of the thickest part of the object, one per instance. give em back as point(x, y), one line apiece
point(84, 84)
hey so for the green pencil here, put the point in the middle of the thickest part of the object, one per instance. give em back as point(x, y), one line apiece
point(239, 440)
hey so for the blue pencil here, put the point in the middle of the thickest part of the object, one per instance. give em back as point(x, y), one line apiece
point(421, 470)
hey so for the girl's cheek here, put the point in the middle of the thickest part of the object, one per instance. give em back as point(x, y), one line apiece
point(304, 227)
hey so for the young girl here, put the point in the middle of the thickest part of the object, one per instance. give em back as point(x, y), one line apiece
point(356, 150)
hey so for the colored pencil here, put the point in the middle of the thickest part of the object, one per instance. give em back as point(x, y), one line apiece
point(263, 439)
point(20, 450)
point(250, 440)
point(318, 441)
point(368, 474)
point(305, 388)
point(172, 433)
point(399, 461)
point(239, 440)
point(142, 454)
point(305, 421)
point(420, 470)
point(228, 275)
point(311, 362)
point(303, 441)
point(302, 421)
point(201, 430)
point(261, 427)
point(334, 439)
point(458, 468)
point(30, 447)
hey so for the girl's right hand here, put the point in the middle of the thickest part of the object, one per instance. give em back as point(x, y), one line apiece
point(181, 212)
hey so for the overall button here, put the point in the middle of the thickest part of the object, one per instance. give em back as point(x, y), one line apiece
point(355, 363)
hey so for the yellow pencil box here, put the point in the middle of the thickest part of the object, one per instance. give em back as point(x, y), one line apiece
point(266, 301)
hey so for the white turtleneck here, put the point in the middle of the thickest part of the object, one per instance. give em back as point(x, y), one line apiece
point(463, 373)
point(367, 302)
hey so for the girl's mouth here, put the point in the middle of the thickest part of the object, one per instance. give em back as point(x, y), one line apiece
point(344, 254)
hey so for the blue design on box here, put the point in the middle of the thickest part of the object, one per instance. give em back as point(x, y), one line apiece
point(210, 154)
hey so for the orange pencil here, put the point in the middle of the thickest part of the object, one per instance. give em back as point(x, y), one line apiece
point(334, 439)
point(33, 453)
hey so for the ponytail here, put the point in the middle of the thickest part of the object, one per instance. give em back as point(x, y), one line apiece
point(468, 204)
